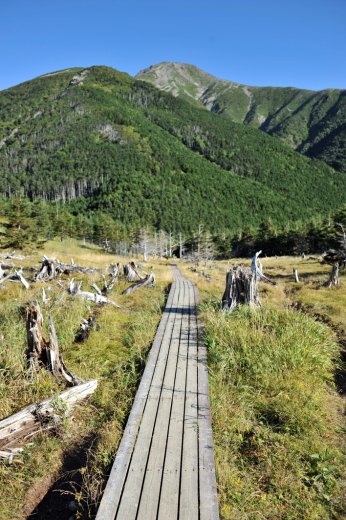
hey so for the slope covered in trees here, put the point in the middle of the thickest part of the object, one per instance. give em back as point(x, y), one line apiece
point(103, 142)
point(311, 122)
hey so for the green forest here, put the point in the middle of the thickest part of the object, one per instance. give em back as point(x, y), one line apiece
point(95, 153)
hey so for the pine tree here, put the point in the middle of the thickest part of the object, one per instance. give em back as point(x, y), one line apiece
point(20, 230)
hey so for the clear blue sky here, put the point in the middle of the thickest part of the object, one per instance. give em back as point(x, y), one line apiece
point(257, 42)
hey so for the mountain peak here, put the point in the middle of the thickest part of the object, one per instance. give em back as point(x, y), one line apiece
point(311, 122)
point(180, 79)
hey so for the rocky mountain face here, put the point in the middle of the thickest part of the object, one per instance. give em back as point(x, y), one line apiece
point(311, 122)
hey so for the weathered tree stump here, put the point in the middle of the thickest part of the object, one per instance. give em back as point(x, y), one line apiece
point(131, 271)
point(334, 276)
point(112, 278)
point(84, 329)
point(51, 268)
point(295, 274)
point(242, 285)
point(241, 288)
point(41, 351)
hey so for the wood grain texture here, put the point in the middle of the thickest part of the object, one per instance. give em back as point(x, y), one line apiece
point(164, 468)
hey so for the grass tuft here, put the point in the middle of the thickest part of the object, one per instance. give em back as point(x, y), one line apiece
point(275, 413)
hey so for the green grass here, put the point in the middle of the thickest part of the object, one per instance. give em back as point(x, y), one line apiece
point(277, 419)
point(275, 414)
point(114, 354)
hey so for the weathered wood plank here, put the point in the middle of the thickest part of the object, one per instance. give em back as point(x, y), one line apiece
point(189, 501)
point(150, 496)
point(169, 499)
point(112, 493)
point(164, 468)
point(209, 509)
point(133, 486)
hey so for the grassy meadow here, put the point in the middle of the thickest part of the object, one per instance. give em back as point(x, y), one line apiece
point(277, 414)
point(114, 353)
point(276, 410)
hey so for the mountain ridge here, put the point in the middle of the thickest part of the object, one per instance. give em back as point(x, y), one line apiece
point(100, 140)
point(310, 121)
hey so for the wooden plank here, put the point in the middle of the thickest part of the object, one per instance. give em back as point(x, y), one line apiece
point(209, 509)
point(112, 493)
point(169, 498)
point(165, 468)
point(153, 476)
point(132, 489)
point(189, 495)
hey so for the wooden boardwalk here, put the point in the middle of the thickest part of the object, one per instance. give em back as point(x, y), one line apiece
point(164, 467)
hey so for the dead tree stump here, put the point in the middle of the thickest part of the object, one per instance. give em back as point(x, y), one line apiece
point(42, 351)
point(37, 344)
point(241, 288)
point(242, 285)
point(334, 276)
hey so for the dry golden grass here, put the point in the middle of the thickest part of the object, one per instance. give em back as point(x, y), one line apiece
point(114, 353)
point(277, 419)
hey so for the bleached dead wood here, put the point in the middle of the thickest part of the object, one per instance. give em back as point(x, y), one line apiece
point(51, 268)
point(37, 344)
point(7, 265)
point(21, 426)
point(84, 329)
point(14, 277)
point(257, 269)
point(75, 290)
point(112, 278)
point(148, 280)
point(241, 288)
point(54, 357)
point(131, 271)
point(12, 256)
point(295, 274)
point(334, 276)
point(20, 276)
point(42, 351)
point(5, 278)
point(96, 288)
point(45, 299)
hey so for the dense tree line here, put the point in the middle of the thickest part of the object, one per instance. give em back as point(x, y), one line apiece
point(27, 225)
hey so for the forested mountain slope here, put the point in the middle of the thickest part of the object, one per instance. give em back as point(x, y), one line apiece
point(100, 140)
point(311, 122)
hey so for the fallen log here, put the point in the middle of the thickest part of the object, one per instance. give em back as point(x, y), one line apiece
point(12, 256)
point(14, 277)
point(42, 351)
point(148, 280)
point(35, 418)
point(51, 268)
point(75, 290)
point(5, 278)
point(7, 265)
point(20, 276)
point(131, 271)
